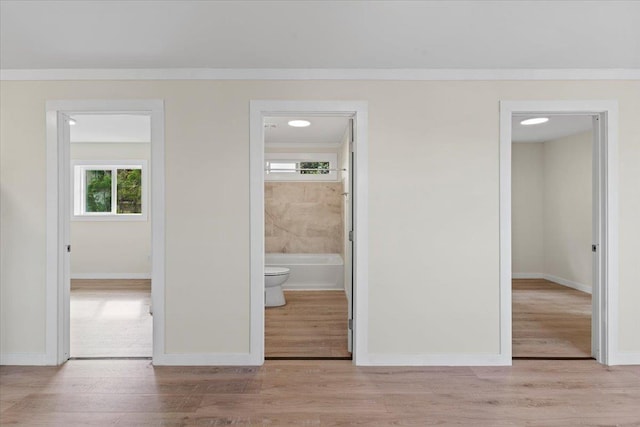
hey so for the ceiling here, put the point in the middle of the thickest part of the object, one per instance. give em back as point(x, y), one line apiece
point(110, 128)
point(558, 126)
point(479, 34)
point(323, 131)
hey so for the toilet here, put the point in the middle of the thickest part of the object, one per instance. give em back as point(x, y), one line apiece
point(274, 277)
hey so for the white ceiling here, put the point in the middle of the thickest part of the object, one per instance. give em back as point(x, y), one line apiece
point(323, 131)
point(111, 128)
point(558, 126)
point(479, 34)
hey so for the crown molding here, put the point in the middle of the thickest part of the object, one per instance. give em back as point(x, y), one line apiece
point(318, 74)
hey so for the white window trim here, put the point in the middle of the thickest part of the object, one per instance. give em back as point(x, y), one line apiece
point(77, 186)
point(332, 158)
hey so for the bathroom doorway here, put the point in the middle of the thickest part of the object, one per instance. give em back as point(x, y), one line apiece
point(309, 218)
point(307, 224)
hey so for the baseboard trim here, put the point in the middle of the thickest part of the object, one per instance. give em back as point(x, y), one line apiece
point(555, 279)
point(206, 359)
point(568, 283)
point(286, 287)
point(108, 276)
point(23, 359)
point(527, 275)
point(623, 358)
point(436, 360)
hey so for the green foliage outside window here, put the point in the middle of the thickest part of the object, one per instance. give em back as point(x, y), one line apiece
point(98, 190)
point(129, 191)
point(318, 168)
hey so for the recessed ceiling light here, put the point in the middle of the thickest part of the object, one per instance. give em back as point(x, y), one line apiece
point(72, 122)
point(534, 121)
point(299, 123)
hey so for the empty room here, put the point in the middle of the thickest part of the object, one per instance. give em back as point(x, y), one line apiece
point(421, 265)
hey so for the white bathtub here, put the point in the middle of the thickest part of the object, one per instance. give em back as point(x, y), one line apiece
point(310, 271)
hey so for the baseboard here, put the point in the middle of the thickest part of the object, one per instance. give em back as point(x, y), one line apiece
point(527, 275)
point(28, 359)
point(623, 358)
point(555, 279)
point(435, 360)
point(110, 276)
point(311, 287)
point(206, 359)
point(568, 283)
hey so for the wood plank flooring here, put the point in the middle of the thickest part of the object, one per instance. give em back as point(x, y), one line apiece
point(311, 324)
point(110, 318)
point(550, 320)
point(319, 393)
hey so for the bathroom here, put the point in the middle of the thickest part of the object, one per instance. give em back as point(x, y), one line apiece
point(307, 217)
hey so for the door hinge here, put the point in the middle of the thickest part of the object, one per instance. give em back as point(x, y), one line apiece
point(351, 324)
point(68, 248)
point(594, 248)
point(351, 235)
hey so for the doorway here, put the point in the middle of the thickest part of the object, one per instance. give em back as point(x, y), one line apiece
point(356, 112)
point(552, 231)
point(61, 205)
point(110, 235)
point(308, 220)
point(605, 225)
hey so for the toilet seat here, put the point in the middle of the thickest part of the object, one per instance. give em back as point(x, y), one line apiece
point(275, 271)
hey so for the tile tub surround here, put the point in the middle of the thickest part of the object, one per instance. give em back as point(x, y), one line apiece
point(303, 217)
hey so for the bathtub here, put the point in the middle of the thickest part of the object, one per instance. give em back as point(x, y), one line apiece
point(310, 271)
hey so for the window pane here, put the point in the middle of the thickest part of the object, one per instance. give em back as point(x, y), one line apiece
point(129, 191)
point(315, 168)
point(98, 191)
point(289, 167)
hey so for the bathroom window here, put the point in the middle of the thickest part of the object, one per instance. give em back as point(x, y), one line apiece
point(113, 191)
point(301, 167)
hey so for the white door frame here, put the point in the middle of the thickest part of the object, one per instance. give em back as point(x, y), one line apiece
point(605, 284)
point(59, 215)
point(358, 110)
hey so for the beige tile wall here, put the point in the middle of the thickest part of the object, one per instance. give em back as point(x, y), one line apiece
point(303, 217)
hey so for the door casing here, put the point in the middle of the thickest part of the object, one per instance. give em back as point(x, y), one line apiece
point(605, 219)
point(58, 208)
point(357, 110)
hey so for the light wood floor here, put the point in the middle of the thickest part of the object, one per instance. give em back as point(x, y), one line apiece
point(311, 324)
point(110, 318)
point(550, 320)
point(319, 393)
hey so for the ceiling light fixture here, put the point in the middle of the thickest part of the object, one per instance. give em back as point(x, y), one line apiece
point(299, 123)
point(72, 122)
point(534, 121)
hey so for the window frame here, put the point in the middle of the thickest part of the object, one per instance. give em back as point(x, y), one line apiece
point(332, 158)
point(78, 190)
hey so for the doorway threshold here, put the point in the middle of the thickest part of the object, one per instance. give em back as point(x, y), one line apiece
point(308, 358)
point(553, 358)
point(112, 358)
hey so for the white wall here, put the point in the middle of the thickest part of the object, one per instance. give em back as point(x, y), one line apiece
point(552, 210)
point(527, 195)
point(568, 209)
point(111, 249)
point(434, 207)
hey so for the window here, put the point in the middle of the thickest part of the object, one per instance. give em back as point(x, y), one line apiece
point(301, 167)
point(110, 191)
